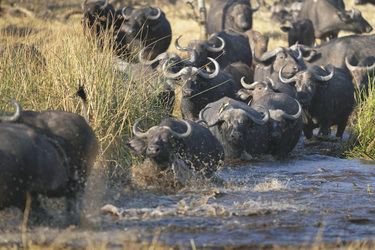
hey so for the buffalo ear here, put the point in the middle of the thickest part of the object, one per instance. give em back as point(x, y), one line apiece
point(285, 28)
point(136, 146)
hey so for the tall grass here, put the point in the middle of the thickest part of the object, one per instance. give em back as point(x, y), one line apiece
point(67, 59)
point(361, 143)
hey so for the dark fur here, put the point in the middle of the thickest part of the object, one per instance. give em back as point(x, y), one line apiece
point(139, 32)
point(225, 14)
point(325, 103)
point(301, 31)
point(335, 19)
point(201, 150)
point(236, 131)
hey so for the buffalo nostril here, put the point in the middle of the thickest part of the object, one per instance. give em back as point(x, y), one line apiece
point(236, 135)
point(153, 149)
point(187, 92)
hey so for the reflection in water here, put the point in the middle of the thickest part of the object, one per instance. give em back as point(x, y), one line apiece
point(305, 199)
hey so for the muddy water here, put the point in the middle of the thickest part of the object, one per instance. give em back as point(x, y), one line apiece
point(307, 199)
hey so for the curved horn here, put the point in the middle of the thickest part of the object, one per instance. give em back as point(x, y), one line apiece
point(169, 74)
point(286, 80)
point(260, 121)
point(256, 8)
point(295, 116)
point(123, 13)
point(183, 135)
point(84, 4)
point(325, 78)
point(211, 48)
point(349, 66)
point(300, 55)
point(192, 53)
point(272, 83)
point(156, 17)
point(15, 116)
point(105, 5)
point(267, 55)
point(137, 132)
point(246, 85)
point(213, 74)
point(201, 119)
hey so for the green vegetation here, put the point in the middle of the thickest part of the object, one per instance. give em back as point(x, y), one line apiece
point(50, 79)
point(361, 143)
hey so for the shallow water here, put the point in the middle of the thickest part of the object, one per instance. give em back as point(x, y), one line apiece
point(306, 199)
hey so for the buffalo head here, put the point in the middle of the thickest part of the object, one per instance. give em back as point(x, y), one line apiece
point(362, 72)
point(307, 81)
point(158, 142)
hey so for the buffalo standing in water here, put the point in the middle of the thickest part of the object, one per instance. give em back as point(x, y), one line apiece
point(174, 140)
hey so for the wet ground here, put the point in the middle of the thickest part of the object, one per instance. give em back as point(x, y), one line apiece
point(307, 199)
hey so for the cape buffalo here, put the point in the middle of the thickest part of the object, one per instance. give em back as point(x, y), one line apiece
point(353, 47)
point(75, 137)
point(234, 14)
point(30, 163)
point(271, 62)
point(362, 73)
point(329, 19)
point(241, 130)
point(185, 140)
point(327, 98)
point(285, 123)
point(142, 27)
point(200, 88)
point(98, 17)
point(225, 46)
point(258, 43)
point(301, 31)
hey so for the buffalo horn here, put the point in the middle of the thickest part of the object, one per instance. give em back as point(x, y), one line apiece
point(150, 62)
point(168, 74)
point(105, 5)
point(267, 55)
point(183, 135)
point(256, 8)
point(84, 4)
point(137, 132)
point(246, 85)
point(155, 17)
point(201, 119)
point(260, 121)
point(325, 78)
point(295, 116)
point(349, 66)
point(286, 80)
point(213, 74)
point(300, 56)
point(211, 48)
point(14, 117)
point(123, 12)
point(192, 53)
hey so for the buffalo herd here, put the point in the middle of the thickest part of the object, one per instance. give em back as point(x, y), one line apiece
point(238, 100)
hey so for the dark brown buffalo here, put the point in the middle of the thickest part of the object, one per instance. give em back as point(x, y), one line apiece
point(328, 19)
point(32, 164)
point(142, 27)
point(270, 63)
point(362, 73)
point(285, 123)
point(301, 31)
point(230, 14)
point(241, 130)
point(327, 97)
point(179, 139)
point(98, 18)
point(75, 137)
point(200, 88)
